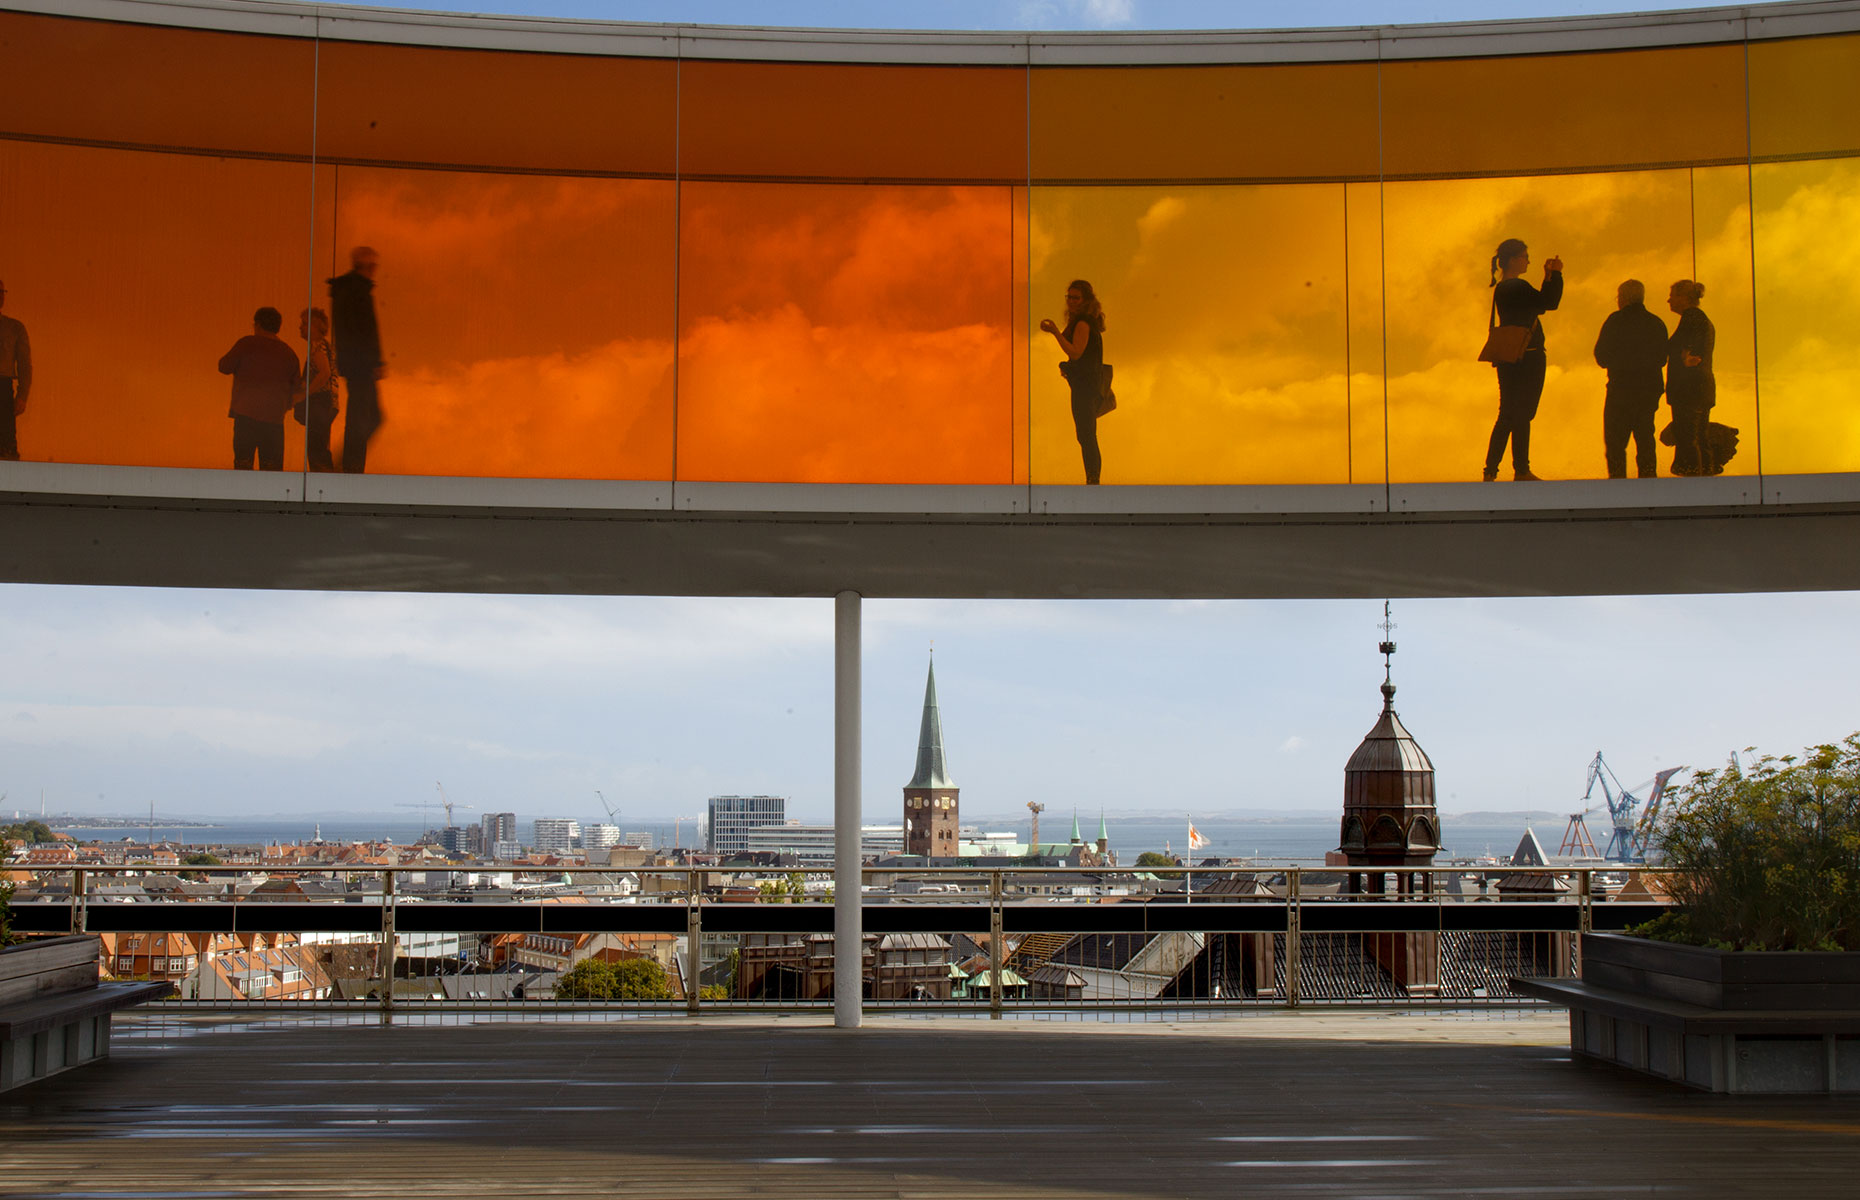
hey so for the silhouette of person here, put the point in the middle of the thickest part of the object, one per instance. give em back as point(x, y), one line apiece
point(1632, 348)
point(15, 378)
point(265, 375)
point(1520, 384)
point(316, 411)
point(358, 354)
point(1691, 388)
point(1082, 338)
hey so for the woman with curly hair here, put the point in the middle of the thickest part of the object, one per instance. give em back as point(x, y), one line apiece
point(1082, 338)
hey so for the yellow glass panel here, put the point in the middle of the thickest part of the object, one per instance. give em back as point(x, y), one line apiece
point(1805, 97)
point(837, 121)
point(559, 112)
point(526, 320)
point(133, 272)
point(1608, 228)
point(1362, 218)
point(1563, 112)
point(1721, 219)
point(1225, 321)
point(145, 85)
point(1297, 121)
point(845, 334)
point(1808, 297)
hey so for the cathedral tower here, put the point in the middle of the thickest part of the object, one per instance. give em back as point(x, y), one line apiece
point(930, 797)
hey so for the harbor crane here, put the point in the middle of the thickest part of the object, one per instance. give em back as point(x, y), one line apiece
point(1627, 840)
point(613, 814)
point(1034, 835)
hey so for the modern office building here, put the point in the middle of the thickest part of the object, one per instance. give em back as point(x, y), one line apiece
point(555, 835)
point(732, 817)
point(814, 844)
point(600, 836)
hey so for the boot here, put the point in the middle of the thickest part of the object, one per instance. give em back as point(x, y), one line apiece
point(1523, 475)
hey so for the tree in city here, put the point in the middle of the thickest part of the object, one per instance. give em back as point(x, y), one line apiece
point(629, 979)
point(1767, 854)
point(30, 832)
point(199, 858)
point(1156, 858)
point(6, 912)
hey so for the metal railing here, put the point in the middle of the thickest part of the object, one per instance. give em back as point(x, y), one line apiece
point(999, 940)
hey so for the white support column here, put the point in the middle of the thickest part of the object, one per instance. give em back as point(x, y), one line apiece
point(848, 927)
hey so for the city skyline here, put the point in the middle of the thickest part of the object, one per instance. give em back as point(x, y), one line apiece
point(210, 704)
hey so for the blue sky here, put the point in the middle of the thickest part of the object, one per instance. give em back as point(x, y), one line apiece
point(230, 703)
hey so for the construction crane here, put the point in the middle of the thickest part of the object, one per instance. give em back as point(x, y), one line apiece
point(447, 802)
point(1627, 841)
point(1034, 836)
point(613, 814)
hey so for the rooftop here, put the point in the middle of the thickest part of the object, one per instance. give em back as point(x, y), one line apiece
point(1322, 1105)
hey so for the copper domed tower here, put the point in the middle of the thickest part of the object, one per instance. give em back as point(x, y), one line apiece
point(1389, 820)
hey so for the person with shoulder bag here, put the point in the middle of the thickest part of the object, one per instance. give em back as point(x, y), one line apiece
point(1515, 346)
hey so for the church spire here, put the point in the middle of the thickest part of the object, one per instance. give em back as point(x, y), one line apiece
point(932, 771)
point(1387, 649)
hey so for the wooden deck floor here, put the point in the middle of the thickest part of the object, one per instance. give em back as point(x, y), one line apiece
point(1340, 1105)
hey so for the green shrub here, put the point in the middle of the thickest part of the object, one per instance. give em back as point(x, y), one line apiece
point(1767, 856)
point(631, 979)
point(6, 912)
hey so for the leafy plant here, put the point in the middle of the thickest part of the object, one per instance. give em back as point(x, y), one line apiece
point(631, 979)
point(6, 912)
point(1767, 856)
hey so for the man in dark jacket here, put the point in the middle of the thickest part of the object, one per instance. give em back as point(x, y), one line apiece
point(1632, 348)
point(358, 354)
point(265, 372)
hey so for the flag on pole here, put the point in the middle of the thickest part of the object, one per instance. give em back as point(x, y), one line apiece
point(1195, 840)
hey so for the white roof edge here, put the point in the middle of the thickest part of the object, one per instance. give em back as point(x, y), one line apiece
point(1803, 18)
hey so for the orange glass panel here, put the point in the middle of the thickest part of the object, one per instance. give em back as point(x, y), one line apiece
point(558, 112)
point(146, 85)
point(1231, 348)
point(133, 272)
point(829, 121)
point(1189, 123)
point(1608, 228)
point(1808, 297)
point(526, 319)
point(1805, 97)
point(840, 334)
point(1563, 112)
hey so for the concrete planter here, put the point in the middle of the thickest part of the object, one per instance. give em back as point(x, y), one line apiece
point(1725, 1021)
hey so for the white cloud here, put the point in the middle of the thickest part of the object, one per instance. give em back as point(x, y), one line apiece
point(1292, 745)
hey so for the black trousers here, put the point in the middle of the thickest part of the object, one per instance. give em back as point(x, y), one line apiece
point(1622, 418)
point(1691, 450)
point(1520, 387)
point(364, 417)
point(1085, 425)
point(319, 417)
point(9, 423)
point(252, 436)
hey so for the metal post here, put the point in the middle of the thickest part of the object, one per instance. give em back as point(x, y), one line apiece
point(694, 936)
point(79, 919)
point(995, 955)
point(848, 922)
point(389, 948)
point(1292, 931)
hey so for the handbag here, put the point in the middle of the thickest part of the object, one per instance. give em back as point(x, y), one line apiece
point(1505, 343)
point(1107, 399)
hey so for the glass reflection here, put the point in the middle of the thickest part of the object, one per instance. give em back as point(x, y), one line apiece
point(524, 323)
point(1442, 235)
point(1226, 326)
point(1807, 228)
point(845, 334)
